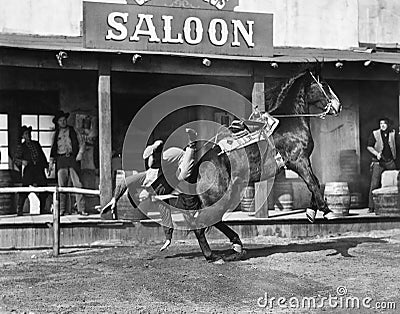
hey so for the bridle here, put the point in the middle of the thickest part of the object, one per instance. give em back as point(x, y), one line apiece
point(329, 106)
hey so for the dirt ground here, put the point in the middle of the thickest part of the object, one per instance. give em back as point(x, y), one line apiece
point(140, 279)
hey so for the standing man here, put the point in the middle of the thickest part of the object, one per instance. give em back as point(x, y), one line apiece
point(66, 153)
point(382, 146)
point(31, 157)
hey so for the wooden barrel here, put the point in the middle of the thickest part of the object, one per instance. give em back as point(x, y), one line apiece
point(126, 208)
point(247, 202)
point(337, 196)
point(387, 204)
point(7, 200)
point(356, 201)
point(283, 195)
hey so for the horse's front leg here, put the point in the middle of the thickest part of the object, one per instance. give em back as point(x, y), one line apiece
point(303, 168)
point(237, 245)
point(205, 248)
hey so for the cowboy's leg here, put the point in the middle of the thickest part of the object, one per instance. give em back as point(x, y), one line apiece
point(62, 179)
point(166, 221)
point(76, 181)
point(166, 217)
point(27, 179)
point(187, 163)
point(376, 173)
point(41, 180)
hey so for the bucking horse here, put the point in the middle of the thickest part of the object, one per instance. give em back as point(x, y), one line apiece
point(220, 175)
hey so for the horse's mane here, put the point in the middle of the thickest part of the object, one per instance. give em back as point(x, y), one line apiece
point(279, 91)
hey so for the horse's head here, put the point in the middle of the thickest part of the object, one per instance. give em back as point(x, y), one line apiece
point(321, 94)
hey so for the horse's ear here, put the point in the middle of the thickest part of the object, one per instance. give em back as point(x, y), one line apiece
point(318, 67)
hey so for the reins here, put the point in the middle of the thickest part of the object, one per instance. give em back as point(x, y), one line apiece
point(321, 115)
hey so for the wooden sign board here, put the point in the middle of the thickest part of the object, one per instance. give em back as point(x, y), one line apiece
point(137, 28)
point(228, 5)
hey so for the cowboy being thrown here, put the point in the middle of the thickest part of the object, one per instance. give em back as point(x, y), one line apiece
point(177, 166)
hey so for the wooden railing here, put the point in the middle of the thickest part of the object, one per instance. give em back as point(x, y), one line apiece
point(56, 208)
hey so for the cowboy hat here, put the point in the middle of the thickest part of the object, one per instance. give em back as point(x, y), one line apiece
point(25, 128)
point(151, 149)
point(60, 114)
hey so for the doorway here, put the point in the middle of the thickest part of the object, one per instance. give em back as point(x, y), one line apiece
point(378, 99)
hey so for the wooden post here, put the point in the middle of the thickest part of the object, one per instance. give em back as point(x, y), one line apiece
point(104, 99)
point(258, 100)
point(56, 223)
point(261, 199)
point(398, 105)
point(258, 92)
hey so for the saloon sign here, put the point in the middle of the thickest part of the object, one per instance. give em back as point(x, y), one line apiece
point(219, 4)
point(175, 30)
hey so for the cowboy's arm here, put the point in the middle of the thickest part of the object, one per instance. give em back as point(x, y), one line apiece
point(53, 152)
point(82, 146)
point(120, 190)
point(42, 155)
point(371, 149)
point(186, 165)
point(18, 156)
point(374, 152)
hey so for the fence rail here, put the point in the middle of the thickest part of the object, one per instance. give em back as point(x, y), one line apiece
point(56, 208)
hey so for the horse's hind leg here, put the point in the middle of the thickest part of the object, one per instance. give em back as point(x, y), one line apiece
point(232, 236)
point(205, 248)
point(303, 168)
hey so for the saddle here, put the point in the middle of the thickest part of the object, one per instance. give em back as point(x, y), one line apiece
point(259, 127)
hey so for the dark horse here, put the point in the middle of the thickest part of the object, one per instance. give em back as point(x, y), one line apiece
point(220, 177)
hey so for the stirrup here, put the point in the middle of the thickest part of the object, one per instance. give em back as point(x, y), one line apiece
point(310, 214)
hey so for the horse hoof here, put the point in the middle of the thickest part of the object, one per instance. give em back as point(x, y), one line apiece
point(236, 256)
point(237, 248)
point(330, 216)
point(219, 262)
point(166, 245)
point(213, 258)
point(310, 214)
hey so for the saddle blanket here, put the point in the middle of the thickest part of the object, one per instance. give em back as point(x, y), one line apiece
point(263, 130)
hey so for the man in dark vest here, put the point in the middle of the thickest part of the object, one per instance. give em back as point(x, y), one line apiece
point(382, 145)
point(66, 153)
point(30, 156)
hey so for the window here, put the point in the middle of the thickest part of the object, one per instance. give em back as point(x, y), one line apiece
point(4, 141)
point(42, 130)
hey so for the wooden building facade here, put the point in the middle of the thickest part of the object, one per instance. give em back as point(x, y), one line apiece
point(97, 77)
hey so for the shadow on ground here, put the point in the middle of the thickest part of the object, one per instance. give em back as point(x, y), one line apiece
point(340, 246)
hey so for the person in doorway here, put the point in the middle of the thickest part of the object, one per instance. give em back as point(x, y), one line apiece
point(66, 153)
point(30, 156)
point(174, 161)
point(382, 144)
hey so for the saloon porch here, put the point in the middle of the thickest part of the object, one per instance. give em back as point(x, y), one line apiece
point(107, 84)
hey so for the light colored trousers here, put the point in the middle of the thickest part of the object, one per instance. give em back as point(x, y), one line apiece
point(63, 176)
